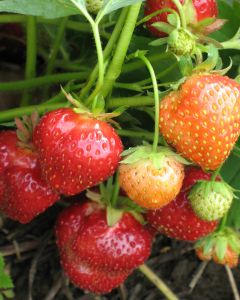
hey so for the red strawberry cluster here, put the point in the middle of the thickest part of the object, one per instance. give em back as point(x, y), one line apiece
point(97, 257)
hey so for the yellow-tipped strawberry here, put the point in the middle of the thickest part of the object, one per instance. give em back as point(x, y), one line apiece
point(202, 119)
point(150, 179)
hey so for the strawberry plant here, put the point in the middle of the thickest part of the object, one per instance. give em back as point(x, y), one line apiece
point(119, 146)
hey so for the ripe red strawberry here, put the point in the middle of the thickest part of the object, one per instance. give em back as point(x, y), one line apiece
point(195, 11)
point(76, 151)
point(177, 219)
point(151, 187)
point(23, 193)
point(202, 119)
point(90, 249)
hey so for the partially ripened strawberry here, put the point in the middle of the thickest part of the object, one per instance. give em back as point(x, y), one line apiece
point(86, 242)
point(177, 219)
point(76, 151)
point(202, 119)
point(151, 182)
point(195, 11)
point(24, 194)
point(222, 246)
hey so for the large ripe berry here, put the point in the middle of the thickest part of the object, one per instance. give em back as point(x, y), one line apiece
point(202, 119)
point(149, 187)
point(23, 192)
point(195, 12)
point(125, 245)
point(92, 252)
point(177, 219)
point(76, 152)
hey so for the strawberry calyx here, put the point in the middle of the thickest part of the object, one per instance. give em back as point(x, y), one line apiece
point(115, 204)
point(145, 152)
point(25, 128)
point(216, 244)
point(211, 200)
point(96, 111)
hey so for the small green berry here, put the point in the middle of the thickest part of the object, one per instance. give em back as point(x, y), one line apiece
point(181, 42)
point(93, 6)
point(211, 200)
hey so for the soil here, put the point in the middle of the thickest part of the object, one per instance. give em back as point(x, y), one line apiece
point(32, 259)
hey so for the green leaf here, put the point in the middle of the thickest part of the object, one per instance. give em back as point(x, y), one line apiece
point(112, 5)
point(1, 297)
point(221, 248)
point(44, 8)
point(9, 294)
point(5, 279)
point(113, 216)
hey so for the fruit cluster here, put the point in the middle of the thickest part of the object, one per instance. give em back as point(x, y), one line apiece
point(109, 233)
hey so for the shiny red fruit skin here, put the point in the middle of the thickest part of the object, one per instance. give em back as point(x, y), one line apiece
point(12, 155)
point(123, 246)
point(203, 9)
point(26, 194)
point(177, 219)
point(76, 152)
point(85, 242)
point(90, 278)
point(23, 192)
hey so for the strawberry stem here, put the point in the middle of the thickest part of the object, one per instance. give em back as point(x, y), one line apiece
point(107, 51)
point(223, 223)
point(155, 13)
point(31, 59)
point(216, 173)
point(157, 282)
point(119, 56)
point(156, 98)
point(181, 13)
point(115, 192)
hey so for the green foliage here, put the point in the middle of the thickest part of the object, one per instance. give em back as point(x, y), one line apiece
point(231, 173)
point(59, 8)
point(6, 284)
point(231, 13)
point(45, 8)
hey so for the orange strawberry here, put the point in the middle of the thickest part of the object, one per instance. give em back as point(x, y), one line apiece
point(202, 119)
point(151, 180)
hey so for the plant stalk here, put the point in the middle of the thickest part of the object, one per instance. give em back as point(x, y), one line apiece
point(158, 282)
point(106, 53)
point(31, 56)
point(115, 67)
point(156, 100)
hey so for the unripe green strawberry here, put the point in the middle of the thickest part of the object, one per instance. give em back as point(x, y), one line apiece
point(211, 200)
point(93, 6)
